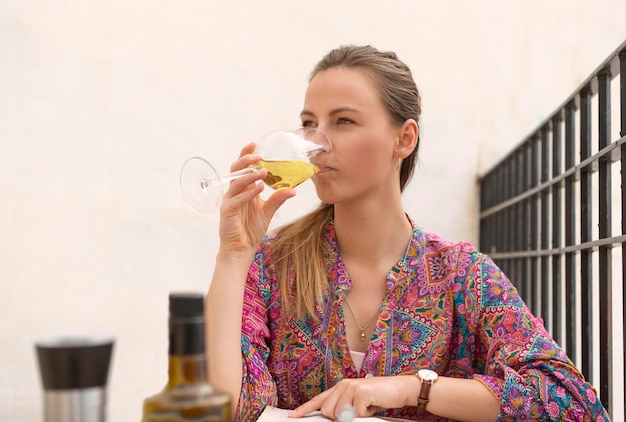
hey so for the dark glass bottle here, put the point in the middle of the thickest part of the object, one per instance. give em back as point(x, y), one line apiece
point(188, 396)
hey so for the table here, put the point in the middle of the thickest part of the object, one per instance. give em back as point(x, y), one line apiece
point(273, 414)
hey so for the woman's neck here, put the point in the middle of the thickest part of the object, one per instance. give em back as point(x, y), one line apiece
point(373, 236)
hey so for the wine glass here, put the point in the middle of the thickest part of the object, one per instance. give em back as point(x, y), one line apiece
point(288, 156)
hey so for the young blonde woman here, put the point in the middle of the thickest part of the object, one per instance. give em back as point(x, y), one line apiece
point(354, 304)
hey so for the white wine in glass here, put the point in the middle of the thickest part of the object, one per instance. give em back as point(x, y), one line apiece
point(289, 158)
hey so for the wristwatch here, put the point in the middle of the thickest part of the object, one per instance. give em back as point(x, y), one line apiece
point(428, 378)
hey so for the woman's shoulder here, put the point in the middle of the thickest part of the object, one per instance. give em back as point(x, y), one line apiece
point(436, 243)
point(462, 255)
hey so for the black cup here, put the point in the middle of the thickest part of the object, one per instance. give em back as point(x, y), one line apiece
point(74, 372)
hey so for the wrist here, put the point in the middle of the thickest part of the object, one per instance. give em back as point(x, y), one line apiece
point(414, 391)
point(427, 379)
point(227, 256)
point(229, 275)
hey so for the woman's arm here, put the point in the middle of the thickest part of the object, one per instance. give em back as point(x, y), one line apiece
point(453, 398)
point(244, 220)
point(521, 362)
point(463, 399)
point(224, 307)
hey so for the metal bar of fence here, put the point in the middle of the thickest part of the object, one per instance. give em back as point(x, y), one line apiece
point(557, 223)
point(509, 213)
point(543, 282)
point(504, 234)
point(534, 220)
point(520, 274)
point(586, 269)
point(498, 216)
point(622, 66)
point(604, 227)
point(570, 232)
point(578, 247)
point(528, 221)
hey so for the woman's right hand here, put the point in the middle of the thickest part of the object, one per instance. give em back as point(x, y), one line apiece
point(244, 220)
point(244, 215)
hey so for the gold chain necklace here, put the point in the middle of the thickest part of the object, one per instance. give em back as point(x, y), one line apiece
point(357, 321)
point(362, 328)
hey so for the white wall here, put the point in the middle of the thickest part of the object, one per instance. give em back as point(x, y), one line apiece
point(102, 101)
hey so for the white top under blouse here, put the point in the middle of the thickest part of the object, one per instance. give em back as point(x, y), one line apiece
point(357, 359)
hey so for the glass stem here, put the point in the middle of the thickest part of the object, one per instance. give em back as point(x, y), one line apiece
point(237, 174)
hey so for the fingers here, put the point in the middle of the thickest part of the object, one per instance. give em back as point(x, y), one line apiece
point(277, 199)
point(357, 394)
point(346, 414)
point(341, 397)
point(241, 192)
point(304, 409)
point(349, 394)
point(246, 188)
point(247, 149)
point(308, 407)
point(330, 403)
point(246, 157)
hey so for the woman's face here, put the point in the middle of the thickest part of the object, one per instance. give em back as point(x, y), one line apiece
point(345, 103)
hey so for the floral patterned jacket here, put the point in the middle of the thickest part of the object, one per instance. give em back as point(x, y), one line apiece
point(449, 308)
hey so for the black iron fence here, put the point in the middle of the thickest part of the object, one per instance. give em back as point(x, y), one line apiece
point(553, 216)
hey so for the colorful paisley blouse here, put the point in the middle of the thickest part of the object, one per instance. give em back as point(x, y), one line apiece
point(449, 308)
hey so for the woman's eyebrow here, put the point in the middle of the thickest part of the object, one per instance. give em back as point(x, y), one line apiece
point(344, 109)
point(333, 112)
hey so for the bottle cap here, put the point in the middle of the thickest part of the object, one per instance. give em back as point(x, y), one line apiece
point(184, 305)
point(74, 362)
point(186, 324)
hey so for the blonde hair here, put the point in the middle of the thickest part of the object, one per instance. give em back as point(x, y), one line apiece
point(298, 248)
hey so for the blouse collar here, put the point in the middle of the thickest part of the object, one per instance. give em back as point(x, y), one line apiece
point(405, 266)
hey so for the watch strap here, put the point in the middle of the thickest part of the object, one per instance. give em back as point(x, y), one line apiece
point(422, 400)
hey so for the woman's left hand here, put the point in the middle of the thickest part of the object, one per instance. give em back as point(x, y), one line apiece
point(366, 395)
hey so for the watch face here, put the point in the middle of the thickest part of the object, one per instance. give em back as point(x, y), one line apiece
point(427, 375)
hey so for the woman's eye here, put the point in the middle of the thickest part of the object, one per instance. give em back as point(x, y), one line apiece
point(344, 121)
point(308, 123)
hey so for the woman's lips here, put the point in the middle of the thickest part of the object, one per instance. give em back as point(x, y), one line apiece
point(323, 169)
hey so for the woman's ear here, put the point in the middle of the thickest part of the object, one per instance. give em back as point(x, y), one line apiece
point(407, 139)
